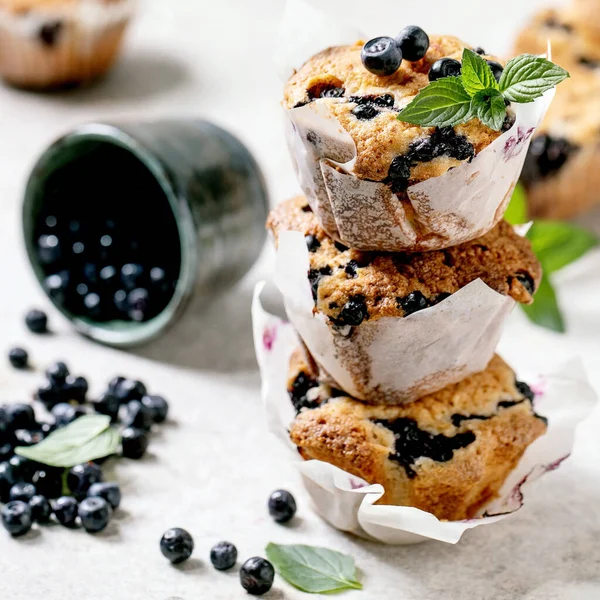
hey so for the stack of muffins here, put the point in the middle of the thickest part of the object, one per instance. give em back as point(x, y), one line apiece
point(397, 302)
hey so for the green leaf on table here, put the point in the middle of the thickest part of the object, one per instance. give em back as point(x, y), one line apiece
point(545, 311)
point(476, 73)
point(527, 77)
point(442, 103)
point(516, 213)
point(312, 569)
point(87, 438)
point(489, 107)
point(559, 243)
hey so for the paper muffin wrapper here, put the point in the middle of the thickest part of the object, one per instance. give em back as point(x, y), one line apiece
point(464, 203)
point(392, 360)
point(349, 503)
point(87, 38)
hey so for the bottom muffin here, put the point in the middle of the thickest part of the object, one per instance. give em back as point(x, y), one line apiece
point(448, 453)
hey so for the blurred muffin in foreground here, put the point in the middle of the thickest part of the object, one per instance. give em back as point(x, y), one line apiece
point(55, 43)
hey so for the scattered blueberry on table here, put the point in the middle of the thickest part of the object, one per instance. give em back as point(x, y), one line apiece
point(257, 575)
point(36, 321)
point(223, 556)
point(18, 358)
point(176, 545)
point(282, 506)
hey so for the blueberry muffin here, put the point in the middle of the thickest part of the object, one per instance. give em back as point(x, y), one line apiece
point(350, 286)
point(448, 453)
point(55, 43)
point(367, 105)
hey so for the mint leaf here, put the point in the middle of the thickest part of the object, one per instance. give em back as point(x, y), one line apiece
point(545, 311)
point(516, 213)
point(312, 569)
point(442, 103)
point(87, 438)
point(476, 73)
point(527, 77)
point(557, 243)
point(489, 108)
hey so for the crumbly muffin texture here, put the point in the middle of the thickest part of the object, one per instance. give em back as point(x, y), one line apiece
point(350, 286)
point(367, 106)
point(448, 453)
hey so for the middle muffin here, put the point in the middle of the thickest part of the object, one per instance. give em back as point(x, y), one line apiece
point(393, 327)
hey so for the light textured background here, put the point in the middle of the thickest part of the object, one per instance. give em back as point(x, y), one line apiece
point(213, 468)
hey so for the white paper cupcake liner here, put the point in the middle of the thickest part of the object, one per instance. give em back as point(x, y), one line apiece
point(348, 503)
point(393, 359)
point(456, 207)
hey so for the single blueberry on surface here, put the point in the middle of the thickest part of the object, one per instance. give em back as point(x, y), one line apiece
point(94, 513)
point(381, 56)
point(445, 67)
point(57, 373)
point(65, 510)
point(16, 518)
point(223, 556)
point(18, 358)
point(81, 477)
point(282, 506)
point(109, 490)
point(413, 43)
point(257, 575)
point(22, 491)
point(176, 545)
point(158, 406)
point(36, 321)
point(41, 511)
point(134, 442)
point(497, 69)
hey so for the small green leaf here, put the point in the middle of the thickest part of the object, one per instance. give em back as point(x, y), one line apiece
point(87, 438)
point(527, 77)
point(476, 73)
point(545, 311)
point(489, 108)
point(312, 569)
point(558, 243)
point(442, 103)
point(516, 213)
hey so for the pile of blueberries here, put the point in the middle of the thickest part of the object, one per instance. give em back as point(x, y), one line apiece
point(115, 255)
point(256, 574)
point(33, 492)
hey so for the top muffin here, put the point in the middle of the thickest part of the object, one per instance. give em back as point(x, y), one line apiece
point(367, 105)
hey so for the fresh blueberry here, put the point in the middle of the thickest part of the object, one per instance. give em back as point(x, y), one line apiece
point(509, 120)
point(16, 518)
point(94, 513)
point(36, 321)
point(312, 243)
point(49, 395)
point(128, 390)
point(110, 491)
point(177, 545)
point(365, 112)
point(479, 50)
point(257, 575)
point(76, 388)
point(57, 373)
point(497, 69)
point(135, 442)
point(138, 302)
point(381, 56)
point(22, 491)
point(158, 406)
point(56, 285)
point(138, 415)
point(23, 468)
point(41, 511)
point(8, 478)
point(48, 249)
point(412, 303)
point(114, 383)
point(81, 477)
point(445, 67)
point(354, 312)
point(158, 277)
point(108, 275)
point(130, 275)
point(19, 416)
point(48, 482)
point(223, 556)
point(65, 510)
point(18, 358)
point(120, 301)
point(6, 451)
point(108, 404)
point(65, 413)
point(282, 506)
point(413, 43)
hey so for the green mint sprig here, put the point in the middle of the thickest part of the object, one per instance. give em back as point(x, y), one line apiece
point(556, 244)
point(312, 569)
point(476, 94)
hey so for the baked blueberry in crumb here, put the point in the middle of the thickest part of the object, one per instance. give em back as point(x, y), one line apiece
point(365, 112)
point(383, 101)
point(299, 390)
point(350, 269)
point(354, 312)
point(50, 32)
point(525, 390)
point(340, 246)
point(314, 277)
point(333, 93)
point(312, 243)
point(527, 282)
point(546, 156)
point(589, 63)
point(412, 303)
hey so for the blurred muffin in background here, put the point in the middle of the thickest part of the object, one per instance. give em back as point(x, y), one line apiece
point(55, 43)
